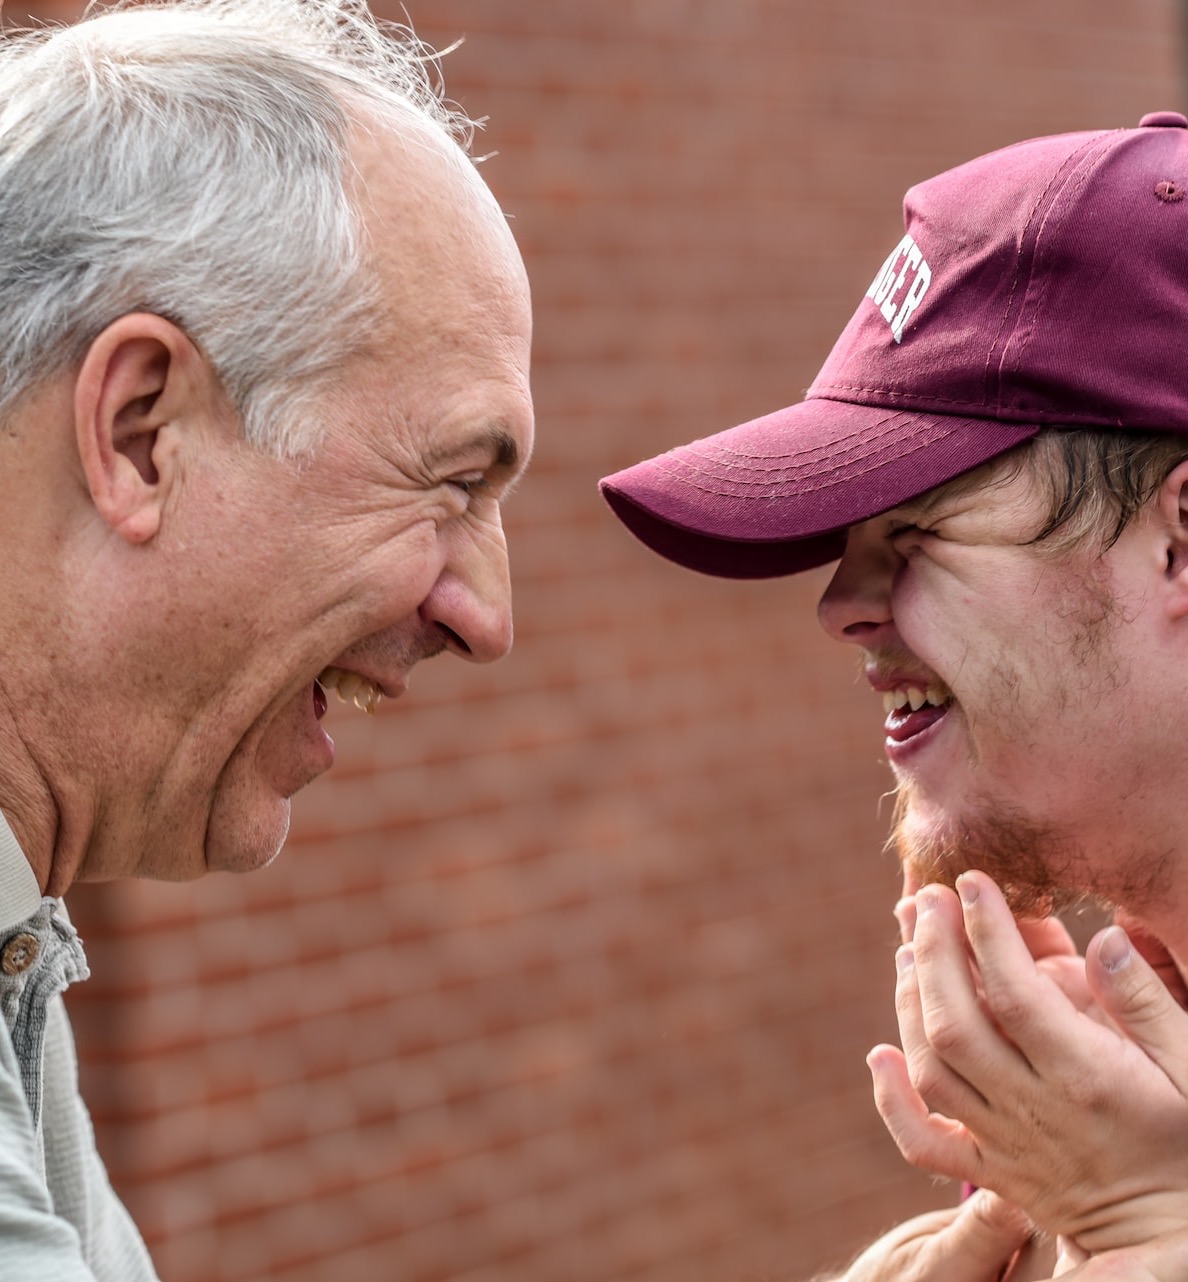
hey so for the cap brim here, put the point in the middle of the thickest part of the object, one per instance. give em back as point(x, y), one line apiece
point(776, 495)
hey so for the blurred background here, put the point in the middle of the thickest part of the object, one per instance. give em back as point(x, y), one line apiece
point(568, 971)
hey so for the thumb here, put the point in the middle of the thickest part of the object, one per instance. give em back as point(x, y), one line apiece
point(973, 1242)
point(1155, 953)
point(980, 1242)
point(1135, 998)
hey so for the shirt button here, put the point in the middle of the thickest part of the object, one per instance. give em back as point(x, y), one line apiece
point(19, 953)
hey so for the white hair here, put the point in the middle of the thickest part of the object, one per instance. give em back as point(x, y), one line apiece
point(191, 159)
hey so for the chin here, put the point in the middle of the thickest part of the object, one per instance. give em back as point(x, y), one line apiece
point(1033, 864)
point(242, 842)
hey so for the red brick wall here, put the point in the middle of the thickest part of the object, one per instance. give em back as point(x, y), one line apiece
point(570, 967)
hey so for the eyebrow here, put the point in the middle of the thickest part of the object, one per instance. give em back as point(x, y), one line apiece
point(499, 443)
point(924, 505)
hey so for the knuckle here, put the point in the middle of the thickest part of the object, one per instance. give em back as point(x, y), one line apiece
point(929, 1079)
point(1008, 1008)
point(946, 1036)
point(1147, 1004)
point(913, 1148)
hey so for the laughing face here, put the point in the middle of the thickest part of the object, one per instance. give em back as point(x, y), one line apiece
point(264, 584)
point(386, 547)
point(1025, 704)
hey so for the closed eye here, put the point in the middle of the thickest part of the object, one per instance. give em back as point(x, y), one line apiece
point(901, 530)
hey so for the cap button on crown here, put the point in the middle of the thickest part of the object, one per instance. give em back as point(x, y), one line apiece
point(1164, 120)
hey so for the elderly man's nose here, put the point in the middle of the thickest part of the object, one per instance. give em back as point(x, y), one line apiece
point(471, 604)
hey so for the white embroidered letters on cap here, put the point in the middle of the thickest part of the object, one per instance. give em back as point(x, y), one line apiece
point(905, 265)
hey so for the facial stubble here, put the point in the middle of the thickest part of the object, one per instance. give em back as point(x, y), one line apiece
point(1033, 867)
point(1040, 868)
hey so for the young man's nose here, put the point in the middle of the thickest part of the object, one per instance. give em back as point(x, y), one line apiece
point(856, 605)
point(471, 603)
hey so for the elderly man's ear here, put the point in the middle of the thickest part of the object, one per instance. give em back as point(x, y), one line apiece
point(141, 381)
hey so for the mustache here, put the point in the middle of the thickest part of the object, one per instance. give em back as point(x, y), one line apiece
point(884, 664)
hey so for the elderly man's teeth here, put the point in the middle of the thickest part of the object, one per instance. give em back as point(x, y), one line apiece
point(366, 699)
point(351, 688)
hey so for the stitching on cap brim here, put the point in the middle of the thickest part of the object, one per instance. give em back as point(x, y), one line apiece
point(775, 495)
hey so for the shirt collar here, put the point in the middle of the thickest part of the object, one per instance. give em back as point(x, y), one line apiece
point(20, 895)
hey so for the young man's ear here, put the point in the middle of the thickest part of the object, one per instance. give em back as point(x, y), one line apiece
point(1173, 508)
point(139, 379)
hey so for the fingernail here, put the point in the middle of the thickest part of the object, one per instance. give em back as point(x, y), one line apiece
point(1114, 950)
point(905, 959)
point(925, 902)
point(967, 888)
point(905, 914)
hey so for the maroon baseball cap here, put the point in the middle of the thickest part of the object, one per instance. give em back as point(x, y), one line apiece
point(1044, 285)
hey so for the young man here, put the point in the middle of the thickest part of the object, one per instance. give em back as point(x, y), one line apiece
point(996, 454)
point(264, 343)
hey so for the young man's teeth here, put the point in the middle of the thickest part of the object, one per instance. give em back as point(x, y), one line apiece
point(351, 688)
point(913, 697)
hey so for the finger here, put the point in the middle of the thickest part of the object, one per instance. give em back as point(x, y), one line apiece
point(927, 1140)
point(1134, 997)
point(955, 1027)
point(995, 937)
point(939, 1084)
point(1046, 937)
point(1030, 1009)
point(1156, 954)
point(1068, 974)
point(905, 915)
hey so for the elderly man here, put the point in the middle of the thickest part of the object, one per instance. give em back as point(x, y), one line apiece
point(996, 455)
point(264, 343)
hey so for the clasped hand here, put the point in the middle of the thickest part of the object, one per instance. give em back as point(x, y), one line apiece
point(1059, 1083)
